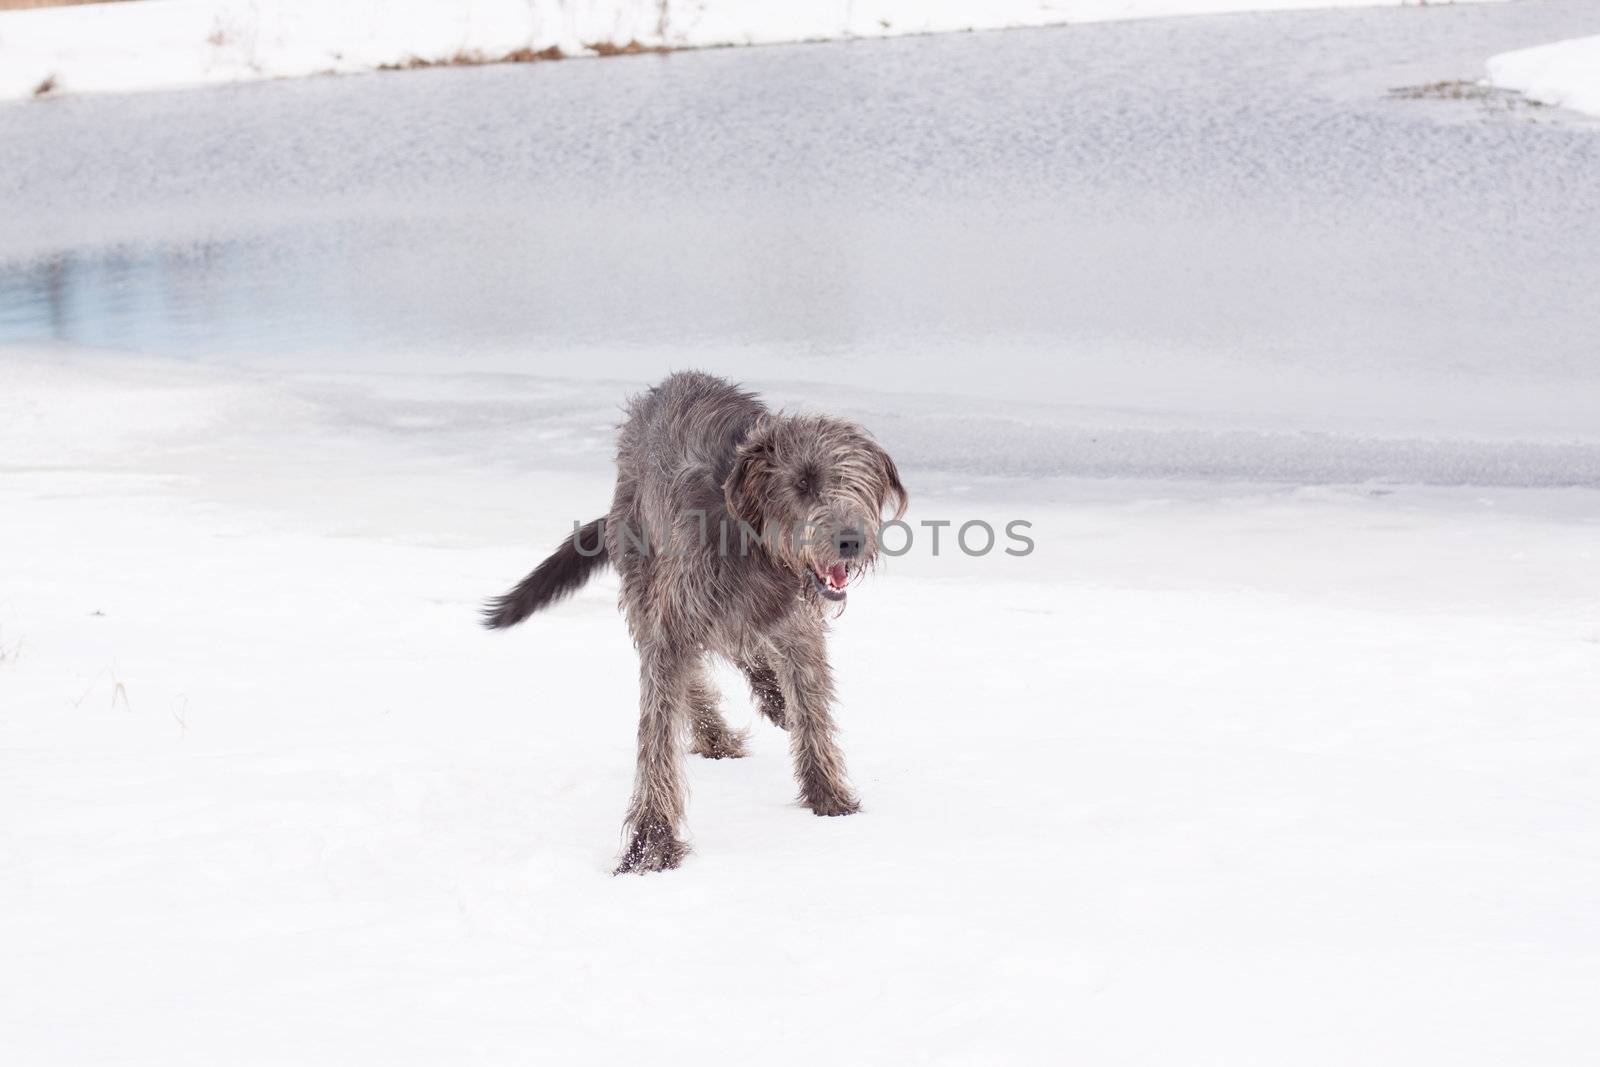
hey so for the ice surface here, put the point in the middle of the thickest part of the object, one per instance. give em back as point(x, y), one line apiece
point(1218, 238)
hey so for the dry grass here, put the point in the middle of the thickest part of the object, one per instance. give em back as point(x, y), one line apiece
point(474, 59)
point(527, 55)
point(1452, 90)
point(45, 86)
point(632, 48)
point(1487, 95)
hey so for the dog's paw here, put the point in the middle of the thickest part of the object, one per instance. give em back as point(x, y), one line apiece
point(652, 850)
point(725, 745)
point(835, 804)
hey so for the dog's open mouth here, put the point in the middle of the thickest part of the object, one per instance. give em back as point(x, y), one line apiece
point(830, 582)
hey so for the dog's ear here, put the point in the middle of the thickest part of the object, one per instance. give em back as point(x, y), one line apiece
point(746, 486)
point(889, 479)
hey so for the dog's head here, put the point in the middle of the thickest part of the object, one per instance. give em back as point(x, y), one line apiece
point(815, 488)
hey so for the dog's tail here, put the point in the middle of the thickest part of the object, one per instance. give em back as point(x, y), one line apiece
point(561, 575)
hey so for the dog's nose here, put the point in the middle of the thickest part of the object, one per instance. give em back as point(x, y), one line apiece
point(849, 544)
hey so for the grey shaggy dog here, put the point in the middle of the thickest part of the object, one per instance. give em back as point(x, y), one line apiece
point(734, 530)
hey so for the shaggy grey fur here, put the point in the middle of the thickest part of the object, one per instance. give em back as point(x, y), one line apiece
point(732, 528)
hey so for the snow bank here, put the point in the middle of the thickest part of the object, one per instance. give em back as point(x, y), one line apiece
point(1563, 74)
point(155, 44)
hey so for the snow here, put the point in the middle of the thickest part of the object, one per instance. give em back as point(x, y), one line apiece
point(1563, 74)
point(1304, 773)
point(158, 44)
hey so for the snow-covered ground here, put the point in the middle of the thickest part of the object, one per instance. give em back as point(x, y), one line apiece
point(156, 44)
point(1218, 774)
point(1563, 74)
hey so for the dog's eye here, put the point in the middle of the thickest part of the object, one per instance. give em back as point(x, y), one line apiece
point(803, 486)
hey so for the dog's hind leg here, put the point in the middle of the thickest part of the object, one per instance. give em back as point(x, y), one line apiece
point(765, 690)
point(659, 788)
point(713, 737)
point(801, 663)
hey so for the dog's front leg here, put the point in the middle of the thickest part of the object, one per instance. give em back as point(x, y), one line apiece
point(656, 810)
point(801, 663)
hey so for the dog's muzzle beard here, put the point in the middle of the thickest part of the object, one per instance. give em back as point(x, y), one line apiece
point(830, 561)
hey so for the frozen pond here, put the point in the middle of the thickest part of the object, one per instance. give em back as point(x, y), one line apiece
point(1209, 247)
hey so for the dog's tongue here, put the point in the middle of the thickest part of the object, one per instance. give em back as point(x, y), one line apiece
point(838, 576)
